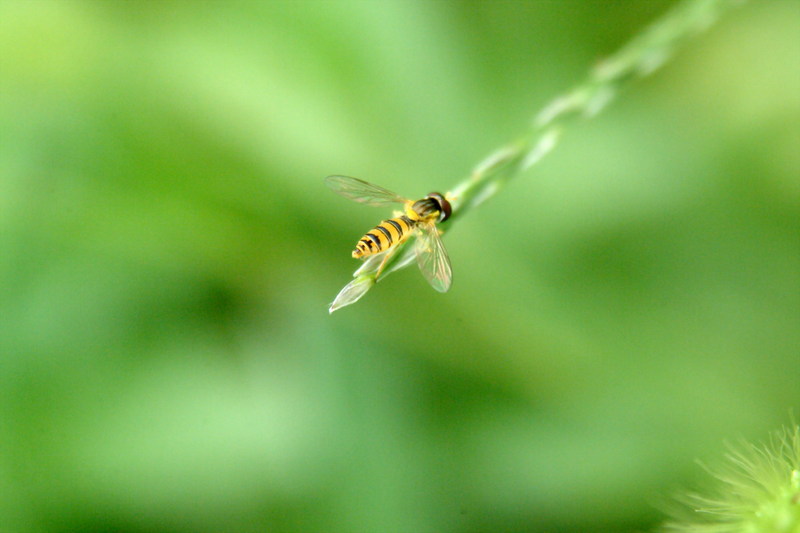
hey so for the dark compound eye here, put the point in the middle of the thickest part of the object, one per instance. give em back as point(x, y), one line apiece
point(444, 206)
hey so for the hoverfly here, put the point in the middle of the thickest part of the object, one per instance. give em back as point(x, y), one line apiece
point(418, 217)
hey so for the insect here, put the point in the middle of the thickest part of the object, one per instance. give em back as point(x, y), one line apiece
point(418, 217)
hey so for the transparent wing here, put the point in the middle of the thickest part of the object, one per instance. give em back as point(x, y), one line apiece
point(432, 258)
point(363, 192)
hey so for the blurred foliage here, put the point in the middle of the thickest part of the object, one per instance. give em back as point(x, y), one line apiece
point(756, 490)
point(168, 251)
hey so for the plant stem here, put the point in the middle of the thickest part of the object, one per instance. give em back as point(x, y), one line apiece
point(641, 56)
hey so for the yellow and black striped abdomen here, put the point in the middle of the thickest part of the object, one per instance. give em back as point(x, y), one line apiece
point(385, 235)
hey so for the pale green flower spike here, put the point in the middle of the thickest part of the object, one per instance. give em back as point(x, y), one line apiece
point(757, 491)
point(644, 54)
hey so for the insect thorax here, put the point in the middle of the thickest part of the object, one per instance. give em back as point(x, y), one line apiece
point(425, 208)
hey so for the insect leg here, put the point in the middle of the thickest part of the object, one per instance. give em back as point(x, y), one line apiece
point(389, 254)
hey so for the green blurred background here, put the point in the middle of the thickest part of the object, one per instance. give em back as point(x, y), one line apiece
point(168, 251)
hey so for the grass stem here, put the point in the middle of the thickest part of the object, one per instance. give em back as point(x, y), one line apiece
point(640, 57)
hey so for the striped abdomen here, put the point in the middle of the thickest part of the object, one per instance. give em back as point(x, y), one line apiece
point(385, 235)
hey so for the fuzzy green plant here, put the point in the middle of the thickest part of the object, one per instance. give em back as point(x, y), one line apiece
point(641, 56)
point(756, 490)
